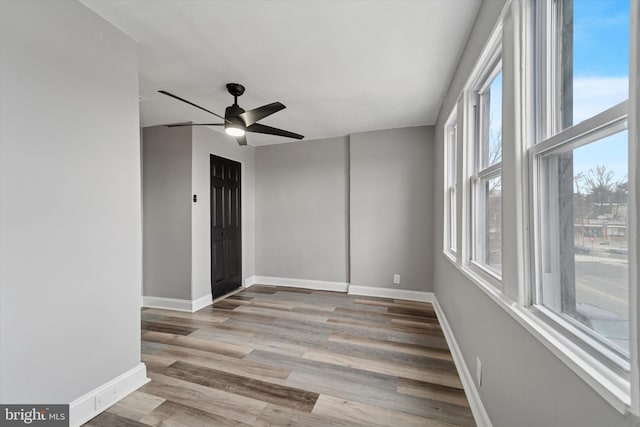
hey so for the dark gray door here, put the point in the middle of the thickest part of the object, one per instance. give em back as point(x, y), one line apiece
point(226, 230)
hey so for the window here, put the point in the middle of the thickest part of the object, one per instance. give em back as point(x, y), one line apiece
point(486, 181)
point(451, 159)
point(552, 92)
point(580, 173)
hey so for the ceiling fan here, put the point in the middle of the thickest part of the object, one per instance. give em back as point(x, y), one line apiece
point(237, 121)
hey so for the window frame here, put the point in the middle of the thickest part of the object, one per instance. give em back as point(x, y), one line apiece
point(488, 68)
point(609, 373)
point(607, 123)
point(451, 136)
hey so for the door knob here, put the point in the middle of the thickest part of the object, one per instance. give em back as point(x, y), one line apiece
point(224, 234)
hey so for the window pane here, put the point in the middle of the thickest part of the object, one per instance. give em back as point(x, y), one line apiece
point(489, 225)
point(452, 154)
point(585, 257)
point(493, 227)
point(452, 218)
point(593, 46)
point(451, 186)
point(491, 126)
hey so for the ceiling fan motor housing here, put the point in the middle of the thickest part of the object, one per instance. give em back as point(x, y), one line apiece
point(231, 114)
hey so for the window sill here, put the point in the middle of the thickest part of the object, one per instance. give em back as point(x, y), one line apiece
point(609, 385)
point(450, 255)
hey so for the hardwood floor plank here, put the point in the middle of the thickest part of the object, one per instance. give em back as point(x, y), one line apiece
point(168, 328)
point(261, 289)
point(150, 347)
point(283, 336)
point(283, 417)
point(287, 397)
point(220, 402)
point(109, 419)
point(227, 304)
point(285, 289)
point(225, 363)
point(271, 305)
point(370, 415)
point(431, 324)
point(137, 405)
point(282, 314)
point(225, 349)
point(388, 368)
point(399, 347)
point(171, 413)
point(414, 311)
point(240, 297)
point(335, 376)
point(367, 314)
point(383, 302)
point(198, 315)
point(381, 398)
point(389, 328)
point(432, 391)
point(383, 355)
point(255, 343)
point(215, 324)
point(155, 361)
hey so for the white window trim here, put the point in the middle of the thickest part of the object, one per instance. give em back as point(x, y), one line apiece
point(489, 66)
point(447, 249)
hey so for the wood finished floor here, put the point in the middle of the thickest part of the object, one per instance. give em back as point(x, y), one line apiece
point(275, 356)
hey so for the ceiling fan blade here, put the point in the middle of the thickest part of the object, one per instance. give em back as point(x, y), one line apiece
point(242, 140)
point(194, 124)
point(258, 128)
point(191, 103)
point(252, 116)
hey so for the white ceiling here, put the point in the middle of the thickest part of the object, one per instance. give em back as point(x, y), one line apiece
point(339, 66)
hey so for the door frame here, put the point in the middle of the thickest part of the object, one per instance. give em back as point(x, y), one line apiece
point(212, 156)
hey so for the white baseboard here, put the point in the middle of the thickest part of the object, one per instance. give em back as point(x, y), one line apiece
point(319, 285)
point(167, 303)
point(99, 399)
point(477, 408)
point(249, 281)
point(190, 306)
point(372, 291)
point(201, 303)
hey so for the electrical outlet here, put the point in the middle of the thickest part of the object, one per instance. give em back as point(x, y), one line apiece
point(396, 279)
point(478, 372)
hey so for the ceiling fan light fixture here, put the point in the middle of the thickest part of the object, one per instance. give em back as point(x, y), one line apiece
point(234, 130)
point(238, 121)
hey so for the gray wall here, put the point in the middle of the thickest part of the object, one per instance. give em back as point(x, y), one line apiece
point(206, 142)
point(166, 197)
point(360, 205)
point(177, 249)
point(391, 212)
point(524, 384)
point(70, 215)
point(301, 210)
